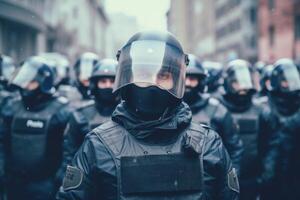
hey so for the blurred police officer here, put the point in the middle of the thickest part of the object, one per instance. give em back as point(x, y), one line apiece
point(94, 112)
point(280, 137)
point(83, 71)
point(239, 86)
point(78, 90)
point(34, 129)
point(213, 81)
point(7, 67)
point(210, 111)
point(151, 149)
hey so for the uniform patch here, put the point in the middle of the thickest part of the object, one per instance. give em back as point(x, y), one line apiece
point(233, 181)
point(73, 178)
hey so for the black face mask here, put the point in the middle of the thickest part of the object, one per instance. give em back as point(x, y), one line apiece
point(286, 103)
point(191, 95)
point(237, 100)
point(149, 103)
point(105, 96)
point(32, 98)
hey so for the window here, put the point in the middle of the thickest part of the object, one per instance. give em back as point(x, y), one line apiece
point(253, 16)
point(271, 35)
point(297, 27)
point(271, 4)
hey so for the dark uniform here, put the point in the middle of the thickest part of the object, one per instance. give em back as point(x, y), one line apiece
point(91, 113)
point(239, 89)
point(279, 144)
point(7, 67)
point(33, 128)
point(211, 112)
point(151, 149)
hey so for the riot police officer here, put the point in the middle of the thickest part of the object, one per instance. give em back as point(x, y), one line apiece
point(213, 80)
point(34, 129)
point(83, 70)
point(94, 112)
point(239, 89)
point(265, 79)
point(61, 68)
point(280, 136)
point(7, 68)
point(208, 110)
point(151, 149)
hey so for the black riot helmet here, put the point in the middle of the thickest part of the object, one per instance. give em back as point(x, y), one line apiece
point(35, 79)
point(239, 76)
point(195, 74)
point(284, 86)
point(240, 83)
point(7, 68)
point(83, 70)
point(214, 71)
point(196, 69)
point(151, 73)
point(265, 78)
point(61, 67)
point(101, 81)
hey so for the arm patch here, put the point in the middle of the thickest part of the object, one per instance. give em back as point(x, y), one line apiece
point(233, 181)
point(73, 178)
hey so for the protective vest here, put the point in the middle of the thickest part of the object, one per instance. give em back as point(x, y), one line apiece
point(29, 137)
point(148, 171)
point(247, 124)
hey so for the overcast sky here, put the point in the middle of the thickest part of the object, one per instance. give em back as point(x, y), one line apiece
point(151, 14)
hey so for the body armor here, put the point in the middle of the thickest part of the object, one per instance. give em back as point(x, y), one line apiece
point(247, 124)
point(180, 162)
point(29, 138)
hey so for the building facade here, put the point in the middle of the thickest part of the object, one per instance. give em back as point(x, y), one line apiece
point(70, 27)
point(236, 30)
point(21, 28)
point(279, 29)
point(221, 30)
point(77, 26)
point(180, 22)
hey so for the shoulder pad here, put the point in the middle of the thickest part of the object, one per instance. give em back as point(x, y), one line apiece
point(205, 126)
point(260, 100)
point(106, 126)
point(193, 140)
point(62, 100)
point(233, 182)
point(86, 103)
point(214, 101)
point(198, 127)
point(79, 118)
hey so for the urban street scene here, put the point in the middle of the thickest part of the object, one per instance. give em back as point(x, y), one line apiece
point(149, 99)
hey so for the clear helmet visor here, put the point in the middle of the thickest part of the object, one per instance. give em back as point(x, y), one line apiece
point(152, 63)
point(7, 70)
point(62, 71)
point(86, 68)
point(240, 79)
point(291, 79)
point(25, 75)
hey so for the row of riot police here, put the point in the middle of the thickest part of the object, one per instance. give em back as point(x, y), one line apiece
point(266, 121)
point(36, 118)
point(150, 141)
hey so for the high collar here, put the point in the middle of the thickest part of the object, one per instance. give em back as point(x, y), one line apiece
point(160, 130)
